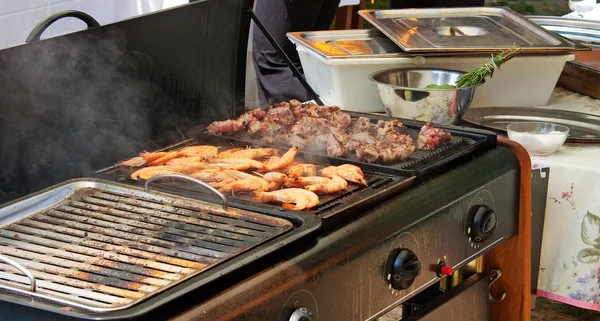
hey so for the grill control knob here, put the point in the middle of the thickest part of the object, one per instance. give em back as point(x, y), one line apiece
point(484, 223)
point(401, 268)
point(302, 314)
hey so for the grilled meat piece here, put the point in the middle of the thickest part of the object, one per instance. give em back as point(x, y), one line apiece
point(287, 139)
point(395, 138)
point(389, 152)
point(431, 137)
point(384, 152)
point(327, 142)
point(361, 138)
point(230, 126)
point(367, 153)
point(308, 126)
point(389, 127)
point(361, 125)
point(339, 119)
point(278, 120)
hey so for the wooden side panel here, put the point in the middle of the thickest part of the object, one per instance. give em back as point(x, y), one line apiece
point(581, 78)
point(513, 257)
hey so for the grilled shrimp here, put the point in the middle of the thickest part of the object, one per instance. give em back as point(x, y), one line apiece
point(247, 185)
point(251, 153)
point(275, 179)
point(212, 175)
point(301, 170)
point(334, 185)
point(189, 164)
point(348, 172)
point(244, 182)
point(184, 161)
point(238, 174)
point(144, 158)
point(242, 161)
point(147, 172)
point(306, 180)
point(134, 162)
point(224, 166)
point(204, 152)
point(163, 159)
point(302, 198)
point(228, 153)
point(275, 163)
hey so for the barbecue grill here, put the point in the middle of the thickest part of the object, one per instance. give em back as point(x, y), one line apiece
point(105, 247)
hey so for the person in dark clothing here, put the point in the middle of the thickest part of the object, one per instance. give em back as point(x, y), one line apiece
point(404, 4)
point(276, 81)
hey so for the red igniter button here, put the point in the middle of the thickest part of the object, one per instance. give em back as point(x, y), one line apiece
point(446, 270)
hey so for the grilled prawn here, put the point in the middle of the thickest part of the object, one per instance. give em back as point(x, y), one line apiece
point(299, 170)
point(246, 185)
point(302, 198)
point(147, 172)
point(143, 159)
point(163, 159)
point(274, 163)
point(275, 179)
point(306, 180)
point(203, 152)
point(242, 161)
point(348, 172)
point(333, 185)
point(251, 153)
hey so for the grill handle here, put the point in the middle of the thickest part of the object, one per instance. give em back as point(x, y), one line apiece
point(22, 269)
point(36, 33)
point(190, 179)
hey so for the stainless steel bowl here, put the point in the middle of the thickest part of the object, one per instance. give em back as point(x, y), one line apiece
point(403, 94)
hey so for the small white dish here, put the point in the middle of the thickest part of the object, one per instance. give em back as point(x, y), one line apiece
point(538, 138)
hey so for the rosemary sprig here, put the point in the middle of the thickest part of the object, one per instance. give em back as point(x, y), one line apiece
point(476, 76)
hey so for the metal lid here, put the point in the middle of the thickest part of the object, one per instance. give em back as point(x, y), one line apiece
point(584, 31)
point(360, 43)
point(480, 29)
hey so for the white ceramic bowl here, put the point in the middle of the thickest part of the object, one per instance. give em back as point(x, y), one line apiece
point(538, 138)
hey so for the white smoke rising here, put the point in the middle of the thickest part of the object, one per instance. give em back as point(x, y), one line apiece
point(72, 105)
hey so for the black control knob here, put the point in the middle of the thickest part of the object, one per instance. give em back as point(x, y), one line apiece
point(402, 268)
point(484, 223)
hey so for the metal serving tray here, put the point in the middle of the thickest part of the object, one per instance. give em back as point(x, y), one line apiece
point(97, 246)
point(463, 29)
point(584, 31)
point(583, 128)
point(359, 43)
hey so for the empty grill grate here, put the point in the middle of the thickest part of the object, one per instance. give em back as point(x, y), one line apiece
point(107, 249)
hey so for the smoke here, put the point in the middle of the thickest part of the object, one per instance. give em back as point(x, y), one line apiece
point(75, 104)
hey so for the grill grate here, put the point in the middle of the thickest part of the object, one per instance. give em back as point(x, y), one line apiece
point(105, 250)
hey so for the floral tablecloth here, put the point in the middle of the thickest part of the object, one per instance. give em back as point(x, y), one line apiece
point(570, 255)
